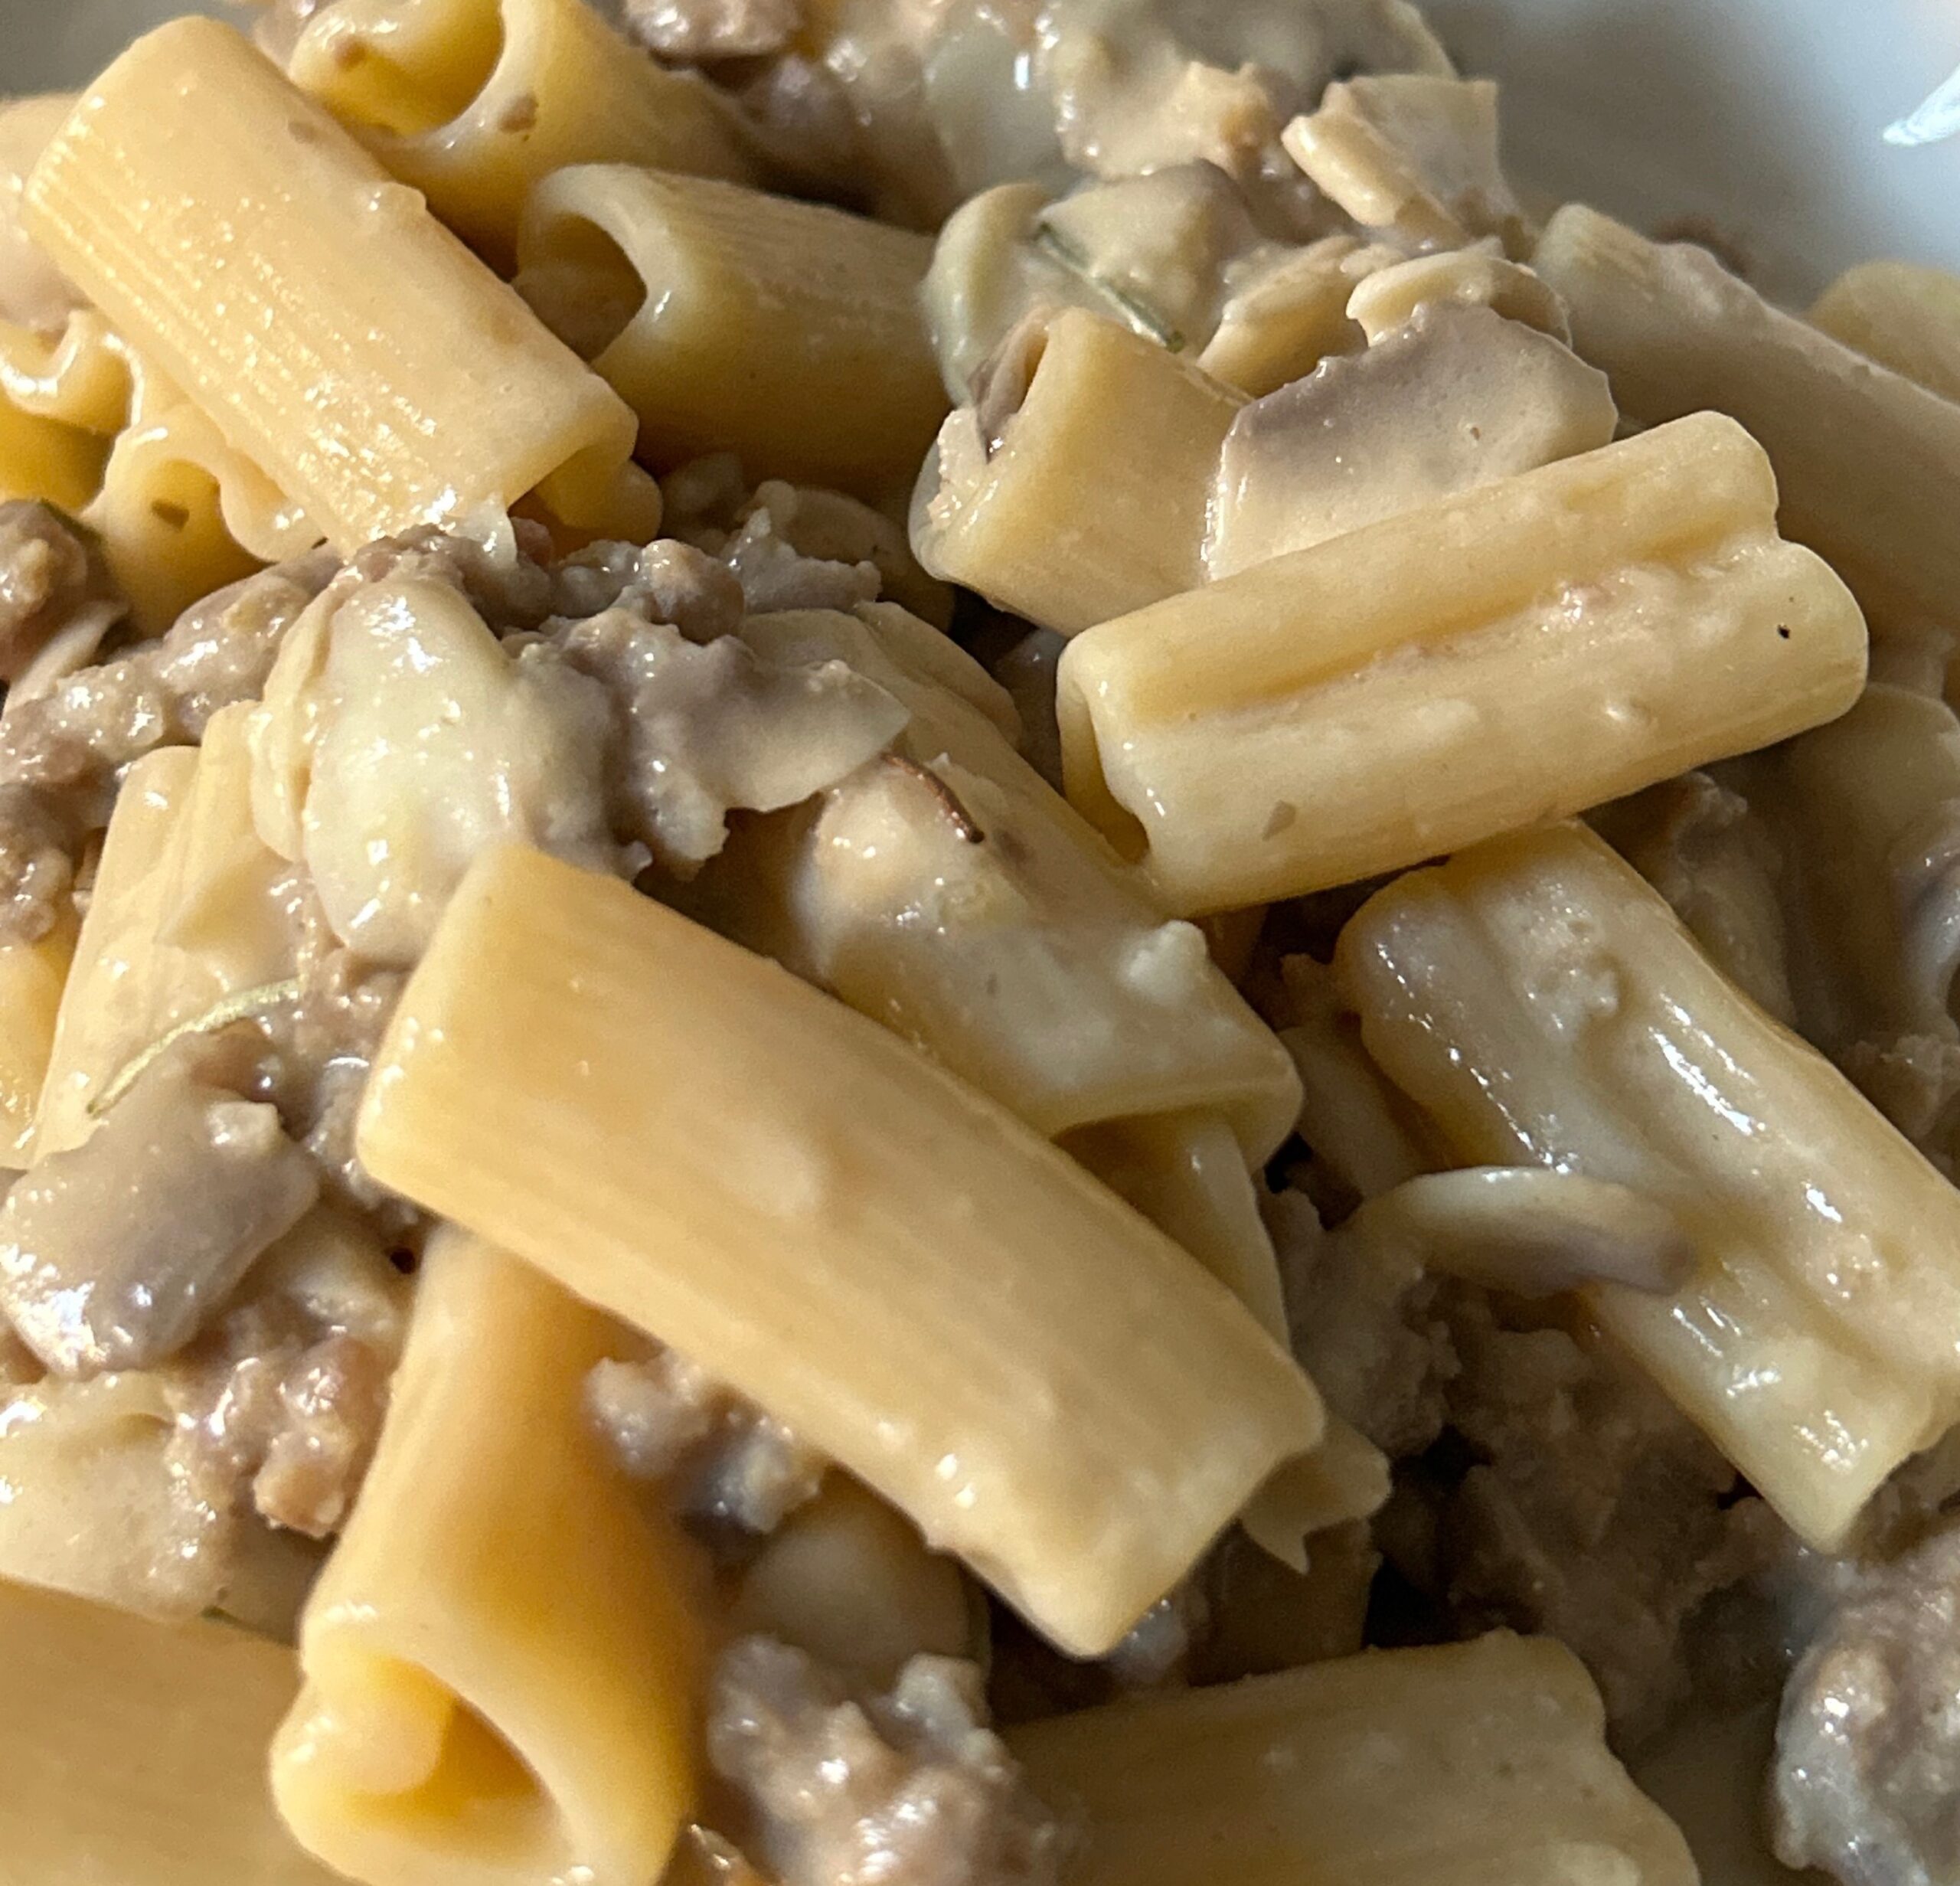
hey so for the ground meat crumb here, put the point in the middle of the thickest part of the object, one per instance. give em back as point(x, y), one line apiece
point(1365, 1323)
point(1866, 1780)
point(61, 752)
point(668, 1420)
point(1592, 1510)
point(50, 572)
point(907, 1788)
point(114, 1253)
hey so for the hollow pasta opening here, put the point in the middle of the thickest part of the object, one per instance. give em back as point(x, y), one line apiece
point(581, 284)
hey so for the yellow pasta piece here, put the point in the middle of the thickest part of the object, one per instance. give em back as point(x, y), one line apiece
point(1186, 1173)
point(183, 915)
point(476, 101)
point(1903, 316)
point(503, 1665)
point(1863, 456)
point(42, 458)
point(1380, 698)
point(788, 332)
point(1350, 1118)
point(688, 1135)
point(32, 976)
point(1076, 487)
point(135, 1752)
point(83, 376)
point(1544, 1006)
point(211, 210)
point(1474, 1764)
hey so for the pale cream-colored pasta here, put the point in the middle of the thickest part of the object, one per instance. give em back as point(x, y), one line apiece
point(1903, 316)
point(476, 101)
point(1352, 1120)
point(788, 333)
point(503, 1659)
point(1076, 486)
point(1465, 1765)
point(1863, 456)
point(135, 1751)
point(32, 976)
point(1544, 1006)
point(183, 915)
point(447, 392)
point(1047, 1386)
point(1389, 690)
point(1186, 1173)
point(178, 512)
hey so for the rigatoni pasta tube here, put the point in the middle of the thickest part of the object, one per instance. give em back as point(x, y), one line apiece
point(1522, 652)
point(1542, 1005)
point(504, 1669)
point(1076, 487)
point(1483, 1763)
point(731, 320)
point(1902, 315)
point(136, 1752)
point(211, 210)
point(929, 1293)
point(1865, 459)
point(475, 101)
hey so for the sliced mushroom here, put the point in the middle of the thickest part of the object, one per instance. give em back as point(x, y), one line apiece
point(1478, 276)
point(113, 1255)
point(1457, 398)
point(406, 739)
point(1529, 1231)
point(1413, 153)
point(1285, 310)
point(1151, 251)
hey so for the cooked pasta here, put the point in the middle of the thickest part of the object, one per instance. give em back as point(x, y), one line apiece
point(415, 431)
point(730, 320)
point(503, 1660)
point(1479, 1762)
point(1403, 727)
point(1826, 1255)
point(104, 1783)
point(938, 1357)
point(840, 1141)
point(474, 103)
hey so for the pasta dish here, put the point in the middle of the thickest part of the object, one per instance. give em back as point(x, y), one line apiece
point(957, 945)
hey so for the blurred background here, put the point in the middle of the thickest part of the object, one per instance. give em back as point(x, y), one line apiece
point(1758, 123)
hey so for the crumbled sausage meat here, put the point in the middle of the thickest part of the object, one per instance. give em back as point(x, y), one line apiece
point(907, 1788)
point(319, 1047)
point(114, 1254)
point(705, 728)
point(291, 1419)
point(1866, 1780)
point(49, 573)
point(61, 752)
point(722, 1457)
point(1364, 1322)
point(1594, 1511)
